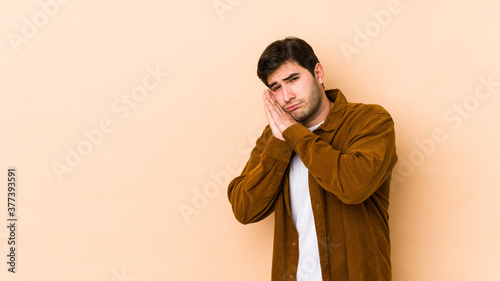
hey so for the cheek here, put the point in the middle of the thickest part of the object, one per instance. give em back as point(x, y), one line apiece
point(300, 88)
point(279, 98)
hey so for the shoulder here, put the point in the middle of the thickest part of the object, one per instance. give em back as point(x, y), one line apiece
point(365, 109)
point(360, 112)
point(360, 117)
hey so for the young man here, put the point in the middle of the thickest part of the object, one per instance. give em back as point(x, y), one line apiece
point(323, 165)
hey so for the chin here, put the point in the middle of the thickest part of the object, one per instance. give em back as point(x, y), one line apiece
point(300, 117)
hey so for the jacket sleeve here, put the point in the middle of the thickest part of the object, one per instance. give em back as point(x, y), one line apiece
point(253, 193)
point(366, 159)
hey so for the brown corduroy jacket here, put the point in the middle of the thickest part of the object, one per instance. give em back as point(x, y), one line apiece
point(350, 158)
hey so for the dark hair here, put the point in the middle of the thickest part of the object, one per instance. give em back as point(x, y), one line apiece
point(281, 51)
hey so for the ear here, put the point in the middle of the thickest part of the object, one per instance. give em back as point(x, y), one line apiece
point(319, 73)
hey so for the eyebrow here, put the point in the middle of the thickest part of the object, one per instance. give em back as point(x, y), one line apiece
point(285, 79)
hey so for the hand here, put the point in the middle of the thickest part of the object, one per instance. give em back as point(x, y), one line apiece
point(279, 120)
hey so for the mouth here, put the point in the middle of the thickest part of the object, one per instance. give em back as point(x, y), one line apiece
point(292, 107)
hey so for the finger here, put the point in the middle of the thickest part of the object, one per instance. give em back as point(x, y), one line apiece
point(280, 115)
point(268, 95)
point(273, 110)
point(271, 120)
point(276, 105)
point(272, 100)
point(269, 116)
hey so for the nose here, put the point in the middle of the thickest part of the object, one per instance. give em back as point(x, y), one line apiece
point(287, 94)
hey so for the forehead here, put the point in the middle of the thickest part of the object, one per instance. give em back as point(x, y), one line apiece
point(284, 71)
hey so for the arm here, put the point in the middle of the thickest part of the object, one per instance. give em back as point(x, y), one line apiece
point(355, 173)
point(253, 193)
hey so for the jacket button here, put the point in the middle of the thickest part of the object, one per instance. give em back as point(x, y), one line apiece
point(291, 276)
point(294, 244)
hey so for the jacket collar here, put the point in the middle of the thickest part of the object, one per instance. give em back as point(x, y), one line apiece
point(340, 103)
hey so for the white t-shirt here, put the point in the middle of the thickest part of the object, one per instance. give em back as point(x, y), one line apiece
point(309, 268)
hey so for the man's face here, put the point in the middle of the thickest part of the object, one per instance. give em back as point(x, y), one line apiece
point(297, 91)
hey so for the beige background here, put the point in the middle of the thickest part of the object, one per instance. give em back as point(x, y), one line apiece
point(116, 214)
